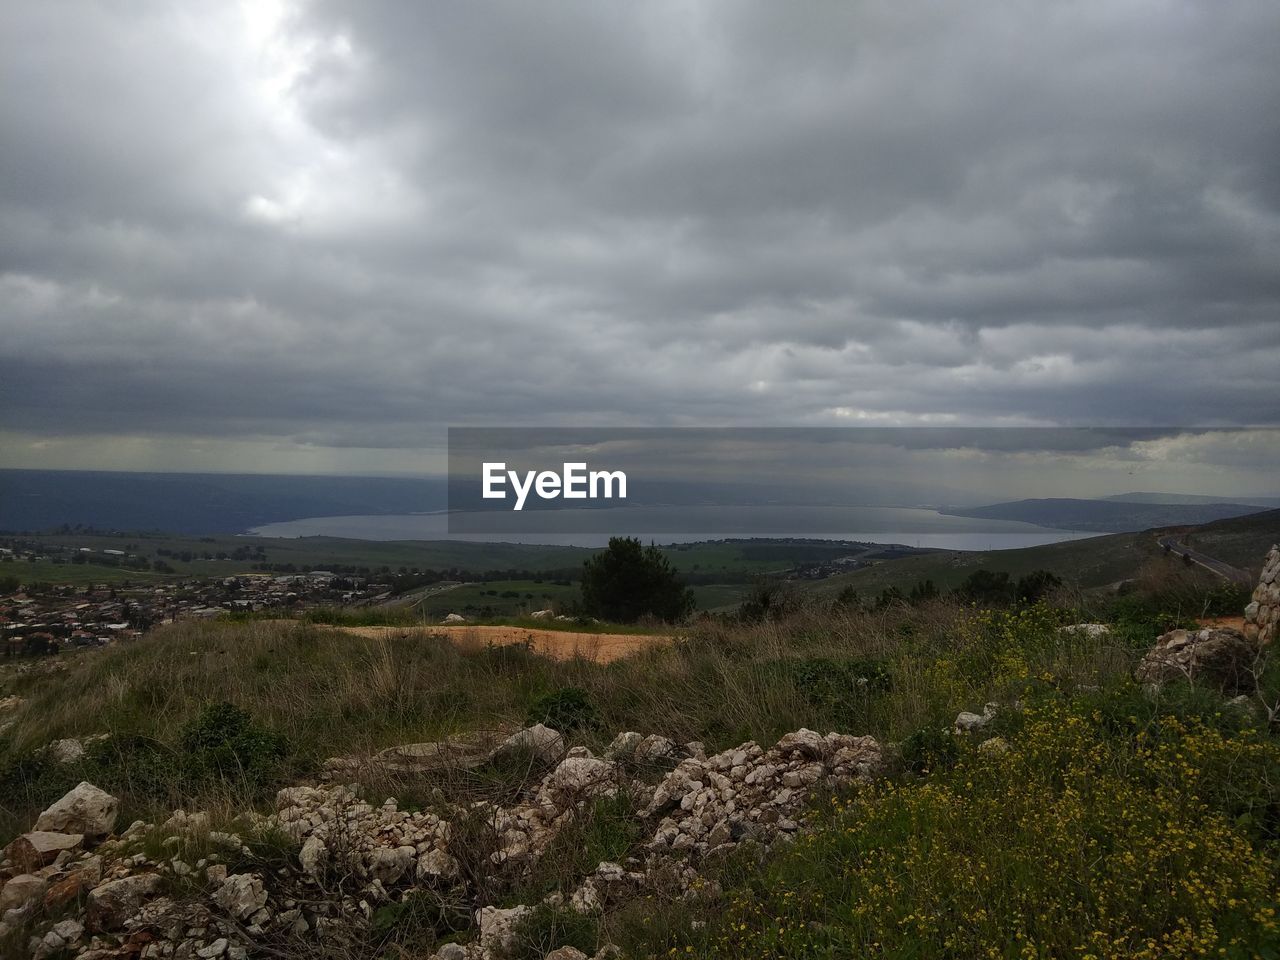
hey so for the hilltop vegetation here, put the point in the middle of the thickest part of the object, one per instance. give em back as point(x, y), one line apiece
point(1087, 816)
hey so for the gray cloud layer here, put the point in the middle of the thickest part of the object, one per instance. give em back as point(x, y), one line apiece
point(343, 225)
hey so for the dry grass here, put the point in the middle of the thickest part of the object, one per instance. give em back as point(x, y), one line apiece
point(331, 693)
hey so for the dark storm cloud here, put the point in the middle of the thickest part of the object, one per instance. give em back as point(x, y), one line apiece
point(347, 224)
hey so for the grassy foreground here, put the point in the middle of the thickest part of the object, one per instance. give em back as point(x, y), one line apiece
point(1116, 824)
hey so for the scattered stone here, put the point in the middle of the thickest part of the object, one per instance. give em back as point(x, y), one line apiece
point(115, 901)
point(973, 722)
point(241, 895)
point(566, 953)
point(540, 740)
point(454, 618)
point(655, 749)
point(437, 864)
point(22, 892)
point(1093, 631)
point(215, 949)
point(578, 778)
point(182, 822)
point(623, 746)
point(65, 891)
point(701, 808)
point(1219, 656)
point(498, 927)
point(542, 614)
point(84, 809)
point(313, 856)
point(65, 751)
point(59, 937)
point(36, 849)
point(389, 864)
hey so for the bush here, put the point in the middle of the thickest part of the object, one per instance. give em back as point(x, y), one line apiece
point(827, 682)
point(548, 928)
point(565, 710)
point(769, 600)
point(1036, 586)
point(224, 742)
point(421, 920)
point(627, 581)
point(929, 749)
point(987, 587)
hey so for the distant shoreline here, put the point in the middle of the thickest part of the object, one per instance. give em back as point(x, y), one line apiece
point(915, 528)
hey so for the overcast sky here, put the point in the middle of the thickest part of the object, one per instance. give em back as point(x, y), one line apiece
point(304, 237)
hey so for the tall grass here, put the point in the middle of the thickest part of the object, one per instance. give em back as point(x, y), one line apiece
point(330, 693)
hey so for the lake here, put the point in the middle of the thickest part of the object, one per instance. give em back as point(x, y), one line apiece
point(913, 526)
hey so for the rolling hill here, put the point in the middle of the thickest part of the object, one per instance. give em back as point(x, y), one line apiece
point(1104, 516)
point(1093, 562)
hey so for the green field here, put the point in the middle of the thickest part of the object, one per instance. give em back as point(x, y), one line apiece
point(500, 598)
point(74, 573)
point(719, 596)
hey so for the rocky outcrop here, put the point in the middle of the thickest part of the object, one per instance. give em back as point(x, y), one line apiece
point(114, 902)
point(1262, 615)
point(354, 857)
point(708, 806)
point(85, 810)
point(1218, 656)
point(39, 848)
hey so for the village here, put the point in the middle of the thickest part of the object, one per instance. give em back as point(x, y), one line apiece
point(39, 618)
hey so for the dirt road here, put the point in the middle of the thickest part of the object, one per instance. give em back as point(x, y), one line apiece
point(560, 644)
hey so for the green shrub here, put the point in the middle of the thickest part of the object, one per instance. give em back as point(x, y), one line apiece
point(836, 686)
point(224, 742)
point(929, 749)
point(770, 600)
point(566, 710)
point(548, 928)
point(421, 920)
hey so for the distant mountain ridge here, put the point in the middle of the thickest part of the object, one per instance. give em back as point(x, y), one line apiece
point(1112, 515)
point(1190, 498)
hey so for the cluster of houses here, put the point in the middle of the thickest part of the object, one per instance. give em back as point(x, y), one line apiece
point(36, 620)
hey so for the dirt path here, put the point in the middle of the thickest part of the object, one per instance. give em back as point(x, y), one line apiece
point(1235, 623)
point(560, 644)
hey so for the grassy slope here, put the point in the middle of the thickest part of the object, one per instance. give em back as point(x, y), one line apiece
point(1094, 562)
point(1102, 807)
point(1241, 542)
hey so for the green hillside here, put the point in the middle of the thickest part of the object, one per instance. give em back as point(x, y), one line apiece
point(1093, 562)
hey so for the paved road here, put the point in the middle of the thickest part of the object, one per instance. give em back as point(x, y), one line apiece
point(1224, 570)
